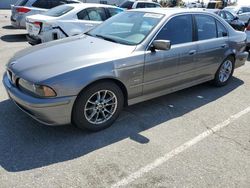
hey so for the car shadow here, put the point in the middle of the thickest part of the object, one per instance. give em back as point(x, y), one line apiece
point(26, 144)
point(14, 38)
point(9, 27)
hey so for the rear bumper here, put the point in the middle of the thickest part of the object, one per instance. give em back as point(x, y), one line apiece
point(19, 22)
point(33, 40)
point(240, 59)
point(49, 111)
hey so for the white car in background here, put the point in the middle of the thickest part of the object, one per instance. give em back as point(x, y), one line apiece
point(67, 20)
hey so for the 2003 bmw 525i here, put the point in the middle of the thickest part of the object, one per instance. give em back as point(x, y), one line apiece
point(132, 57)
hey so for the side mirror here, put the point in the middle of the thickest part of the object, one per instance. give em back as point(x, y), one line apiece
point(160, 45)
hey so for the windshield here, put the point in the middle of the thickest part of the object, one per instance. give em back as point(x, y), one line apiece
point(58, 11)
point(129, 28)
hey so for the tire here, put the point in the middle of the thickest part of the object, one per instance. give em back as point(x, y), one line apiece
point(98, 106)
point(223, 74)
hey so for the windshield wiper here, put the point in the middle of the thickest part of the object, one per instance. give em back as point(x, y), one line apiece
point(107, 38)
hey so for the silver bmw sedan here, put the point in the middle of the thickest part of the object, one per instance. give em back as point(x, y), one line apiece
point(137, 55)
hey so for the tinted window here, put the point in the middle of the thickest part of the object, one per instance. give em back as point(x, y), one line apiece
point(177, 30)
point(229, 16)
point(150, 5)
point(21, 2)
point(83, 15)
point(114, 11)
point(220, 29)
point(127, 4)
point(140, 5)
point(206, 27)
point(58, 11)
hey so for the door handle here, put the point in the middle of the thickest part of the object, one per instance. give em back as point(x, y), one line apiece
point(192, 52)
point(223, 46)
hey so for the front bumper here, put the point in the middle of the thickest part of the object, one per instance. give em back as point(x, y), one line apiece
point(240, 59)
point(49, 111)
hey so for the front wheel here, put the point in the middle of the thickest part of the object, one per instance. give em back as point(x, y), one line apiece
point(98, 106)
point(224, 73)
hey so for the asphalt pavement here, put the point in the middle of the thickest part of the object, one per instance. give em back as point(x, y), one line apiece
point(197, 137)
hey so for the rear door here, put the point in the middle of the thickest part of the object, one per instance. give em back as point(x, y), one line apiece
point(85, 20)
point(212, 42)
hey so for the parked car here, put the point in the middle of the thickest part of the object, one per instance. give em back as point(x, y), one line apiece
point(194, 5)
point(67, 20)
point(23, 8)
point(215, 5)
point(131, 57)
point(231, 18)
point(243, 12)
point(132, 4)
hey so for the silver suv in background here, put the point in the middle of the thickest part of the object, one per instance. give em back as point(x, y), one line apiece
point(131, 4)
point(24, 8)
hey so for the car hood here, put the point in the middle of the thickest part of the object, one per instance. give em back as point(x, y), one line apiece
point(50, 59)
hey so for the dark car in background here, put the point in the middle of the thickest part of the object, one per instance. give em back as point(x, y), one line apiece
point(230, 18)
point(23, 8)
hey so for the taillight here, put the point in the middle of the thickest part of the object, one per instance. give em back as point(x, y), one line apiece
point(37, 23)
point(22, 10)
point(248, 27)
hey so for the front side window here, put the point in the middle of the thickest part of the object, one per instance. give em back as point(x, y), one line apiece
point(83, 15)
point(221, 30)
point(206, 27)
point(129, 28)
point(178, 30)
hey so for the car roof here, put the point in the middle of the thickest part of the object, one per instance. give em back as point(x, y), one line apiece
point(86, 5)
point(169, 11)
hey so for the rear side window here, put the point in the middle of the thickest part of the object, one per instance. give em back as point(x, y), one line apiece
point(229, 16)
point(114, 11)
point(141, 5)
point(150, 5)
point(178, 30)
point(94, 14)
point(222, 15)
point(127, 5)
point(221, 30)
point(21, 2)
point(206, 27)
point(58, 11)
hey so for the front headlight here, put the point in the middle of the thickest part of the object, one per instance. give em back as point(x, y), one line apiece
point(40, 90)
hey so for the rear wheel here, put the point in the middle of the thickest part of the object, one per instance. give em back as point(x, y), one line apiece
point(98, 106)
point(225, 72)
